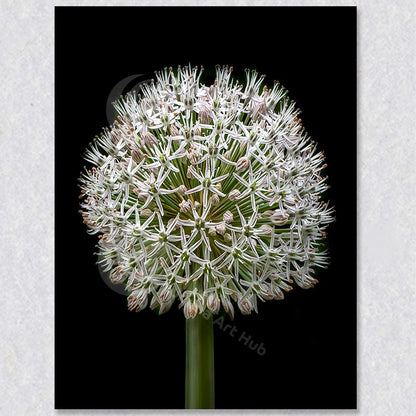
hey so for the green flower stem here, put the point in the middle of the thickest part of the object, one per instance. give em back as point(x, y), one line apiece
point(199, 370)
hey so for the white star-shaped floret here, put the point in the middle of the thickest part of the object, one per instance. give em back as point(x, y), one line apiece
point(164, 238)
point(153, 189)
point(253, 187)
point(207, 184)
point(162, 158)
point(200, 224)
point(236, 253)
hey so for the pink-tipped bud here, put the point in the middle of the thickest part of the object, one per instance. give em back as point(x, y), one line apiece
point(278, 216)
point(194, 156)
point(185, 206)
point(212, 232)
point(141, 195)
point(150, 139)
point(246, 305)
point(204, 115)
point(266, 229)
point(213, 303)
point(190, 173)
point(227, 155)
point(220, 228)
point(234, 195)
point(215, 200)
point(242, 164)
point(228, 217)
point(181, 189)
point(174, 131)
point(137, 155)
point(146, 213)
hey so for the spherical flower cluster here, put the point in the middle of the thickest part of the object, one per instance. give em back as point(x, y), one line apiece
point(206, 194)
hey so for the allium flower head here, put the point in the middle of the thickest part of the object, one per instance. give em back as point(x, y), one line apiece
point(206, 194)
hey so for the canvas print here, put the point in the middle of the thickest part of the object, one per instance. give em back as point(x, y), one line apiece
point(208, 193)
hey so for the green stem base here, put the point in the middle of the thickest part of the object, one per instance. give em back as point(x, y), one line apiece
point(199, 370)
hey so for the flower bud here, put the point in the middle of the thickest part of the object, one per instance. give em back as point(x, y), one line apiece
point(228, 217)
point(146, 104)
point(190, 172)
point(189, 101)
point(137, 155)
point(141, 195)
point(234, 195)
point(204, 115)
point(185, 206)
point(212, 232)
point(154, 302)
point(227, 155)
point(213, 303)
point(220, 228)
point(181, 190)
point(174, 131)
point(228, 307)
point(115, 136)
point(190, 309)
point(155, 171)
point(215, 200)
point(166, 294)
point(150, 139)
point(260, 109)
point(242, 164)
point(117, 275)
point(276, 292)
point(278, 216)
point(194, 156)
point(197, 131)
point(245, 304)
point(227, 237)
point(266, 229)
point(138, 299)
point(121, 165)
point(266, 291)
point(146, 213)
point(165, 306)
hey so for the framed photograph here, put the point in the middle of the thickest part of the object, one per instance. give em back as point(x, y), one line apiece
point(298, 352)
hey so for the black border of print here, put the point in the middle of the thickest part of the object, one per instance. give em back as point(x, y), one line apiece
point(299, 353)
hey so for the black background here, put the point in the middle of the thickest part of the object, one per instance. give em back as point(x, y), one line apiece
point(108, 357)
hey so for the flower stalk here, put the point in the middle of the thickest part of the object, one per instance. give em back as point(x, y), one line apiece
point(199, 367)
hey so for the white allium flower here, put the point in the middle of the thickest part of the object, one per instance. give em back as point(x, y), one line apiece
point(206, 194)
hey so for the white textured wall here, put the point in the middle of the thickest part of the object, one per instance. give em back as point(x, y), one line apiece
point(386, 189)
